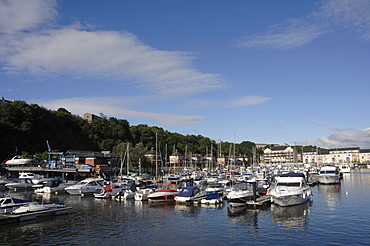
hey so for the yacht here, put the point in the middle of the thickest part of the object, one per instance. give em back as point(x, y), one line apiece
point(329, 174)
point(19, 160)
point(128, 190)
point(23, 183)
point(87, 186)
point(142, 194)
point(9, 204)
point(37, 207)
point(54, 186)
point(36, 178)
point(213, 197)
point(190, 194)
point(345, 168)
point(240, 193)
point(108, 191)
point(290, 189)
point(217, 187)
point(164, 195)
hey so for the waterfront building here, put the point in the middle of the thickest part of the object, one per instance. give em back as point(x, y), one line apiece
point(364, 156)
point(337, 155)
point(279, 155)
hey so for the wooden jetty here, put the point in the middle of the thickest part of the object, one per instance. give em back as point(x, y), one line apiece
point(259, 202)
point(14, 218)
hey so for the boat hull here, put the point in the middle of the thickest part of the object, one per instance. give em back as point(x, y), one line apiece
point(162, 196)
point(328, 179)
point(290, 200)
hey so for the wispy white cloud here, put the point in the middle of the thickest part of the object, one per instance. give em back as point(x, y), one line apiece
point(247, 101)
point(316, 122)
point(291, 34)
point(115, 107)
point(344, 139)
point(236, 102)
point(337, 129)
point(77, 51)
point(20, 15)
point(331, 16)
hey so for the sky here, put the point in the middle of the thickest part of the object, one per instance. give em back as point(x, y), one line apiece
point(294, 72)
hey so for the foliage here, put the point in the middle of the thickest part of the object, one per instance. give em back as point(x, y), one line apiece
point(26, 127)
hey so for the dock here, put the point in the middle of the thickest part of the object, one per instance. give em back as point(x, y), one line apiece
point(14, 218)
point(259, 202)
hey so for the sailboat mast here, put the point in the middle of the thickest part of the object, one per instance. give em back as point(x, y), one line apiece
point(156, 156)
point(128, 158)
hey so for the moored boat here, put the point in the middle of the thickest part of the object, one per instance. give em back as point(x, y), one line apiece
point(54, 186)
point(107, 191)
point(36, 207)
point(9, 204)
point(164, 195)
point(345, 168)
point(213, 197)
point(128, 190)
point(190, 194)
point(19, 160)
point(87, 186)
point(240, 193)
point(22, 184)
point(217, 187)
point(329, 174)
point(142, 194)
point(290, 189)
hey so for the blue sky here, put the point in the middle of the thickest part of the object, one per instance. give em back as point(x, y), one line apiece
point(294, 72)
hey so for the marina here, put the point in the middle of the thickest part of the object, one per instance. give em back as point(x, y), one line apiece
point(338, 210)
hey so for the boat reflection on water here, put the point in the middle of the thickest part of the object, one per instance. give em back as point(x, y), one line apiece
point(187, 209)
point(247, 217)
point(330, 195)
point(162, 205)
point(293, 217)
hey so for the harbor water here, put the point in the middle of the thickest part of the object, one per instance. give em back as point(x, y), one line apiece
point(337, 215)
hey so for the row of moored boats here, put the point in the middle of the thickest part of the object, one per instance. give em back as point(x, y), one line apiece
point(290, 188)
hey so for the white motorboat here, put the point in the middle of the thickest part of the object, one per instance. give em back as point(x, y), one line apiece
point(142, 194)
point(36, 178)
point(164, 195)
point(19, 160)
point(87, 186)
point(54, 186)
point(240, 193)
point(213, 197)
point(345, 168)
point(108, 191)
point(23, 183)
point(36, 207)
point(128, 190)
point(290, 189)
point(216, 187)
point(9, 204)
point(329, 174)
point(190, 194)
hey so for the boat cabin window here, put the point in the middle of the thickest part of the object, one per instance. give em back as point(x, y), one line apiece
point(7, 201)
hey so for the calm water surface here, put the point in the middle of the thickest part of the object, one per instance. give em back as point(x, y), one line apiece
point(337, 215)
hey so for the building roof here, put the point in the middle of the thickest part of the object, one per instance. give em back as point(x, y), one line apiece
point(277, 148)
point(344, 149)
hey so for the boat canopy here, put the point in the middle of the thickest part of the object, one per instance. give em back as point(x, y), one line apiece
point(188, 191)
